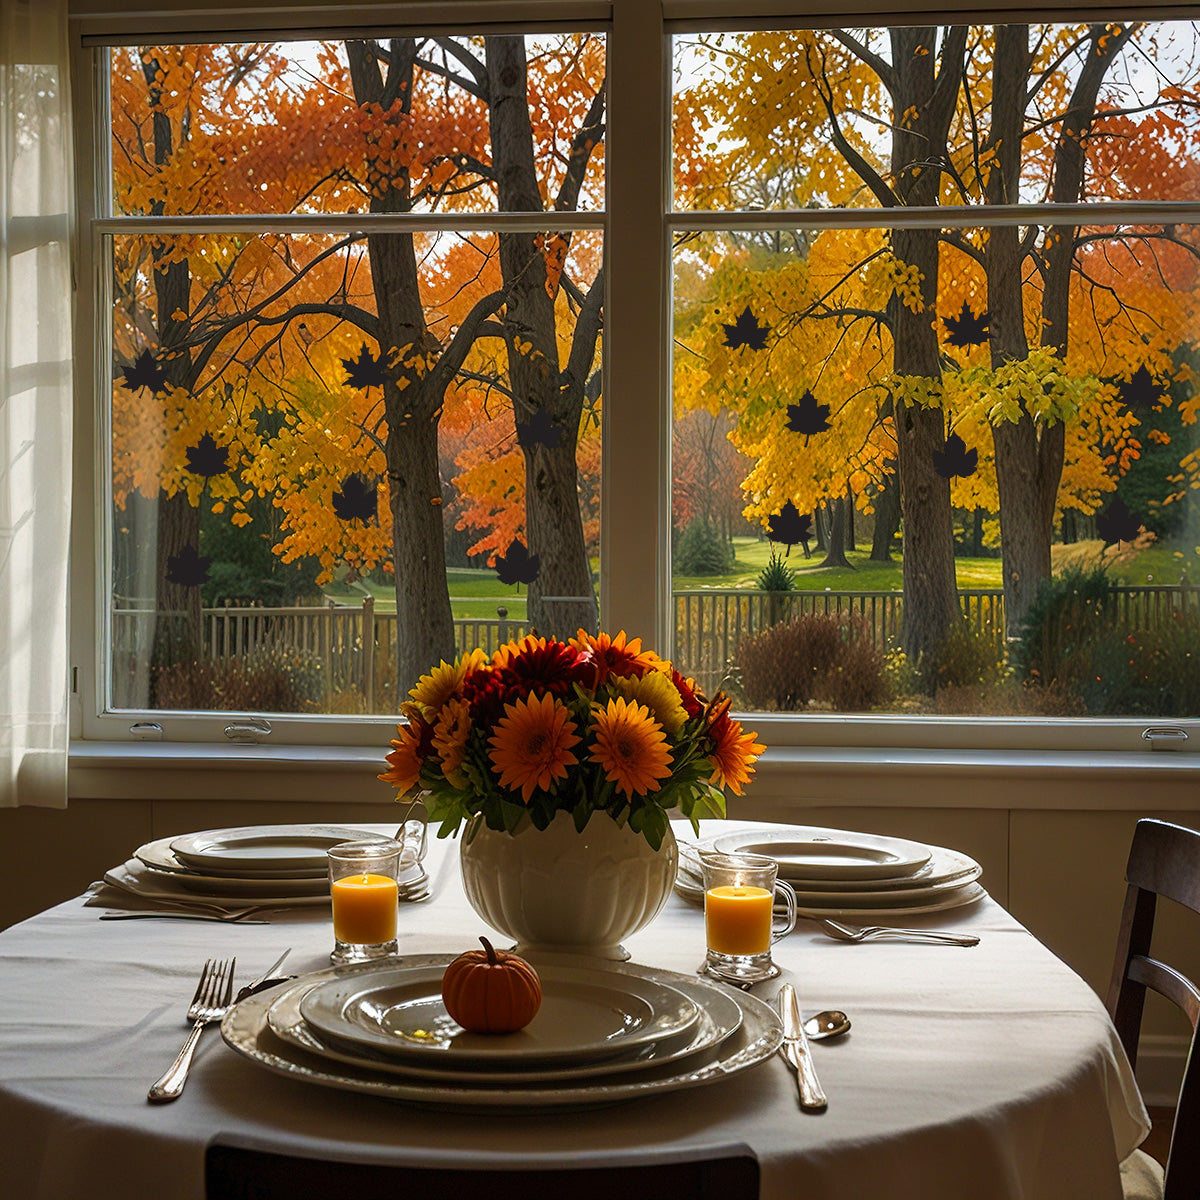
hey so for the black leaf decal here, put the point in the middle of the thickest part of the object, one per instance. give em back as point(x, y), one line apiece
point(518, 565)
point(746, 331)
point(357, 501)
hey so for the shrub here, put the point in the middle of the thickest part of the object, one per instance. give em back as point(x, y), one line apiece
point(776, 576)
point(270, 680)
point(1145, 673)
point(1067, 616)
point(965, 657)
point(701, 550)
point(819, 659)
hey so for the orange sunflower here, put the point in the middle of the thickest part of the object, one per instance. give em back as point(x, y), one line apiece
point(405, 759)
point(631, 747)
point(531, 747)
point(733, 752)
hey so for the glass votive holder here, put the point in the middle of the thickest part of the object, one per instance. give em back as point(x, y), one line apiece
point(363, 889)
point(740, 922)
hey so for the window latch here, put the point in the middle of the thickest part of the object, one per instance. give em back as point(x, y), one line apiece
point(146, 731)
point(251, 731)
point(1165, 737)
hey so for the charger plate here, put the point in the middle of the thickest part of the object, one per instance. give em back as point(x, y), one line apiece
point(135, 877)
point(756, 1039)
point(831, 904)
point(720, 1016)
point(587, 1014)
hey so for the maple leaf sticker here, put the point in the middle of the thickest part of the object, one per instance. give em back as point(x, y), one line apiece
point(539, 430)
point(357, 501)
point(1140, 390)
point(145, 373)
point(791, 527)
point(1117, 524)
point(955, 459)
point(188, 568)
point(207, 458)
point(746, 331)
point(967, 329)
point(364, 371)
point(518, 565)
point(808, 416)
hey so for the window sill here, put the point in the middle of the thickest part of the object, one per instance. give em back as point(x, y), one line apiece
point(797, 775)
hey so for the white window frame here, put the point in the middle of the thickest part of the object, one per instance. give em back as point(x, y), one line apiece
point(837, 758)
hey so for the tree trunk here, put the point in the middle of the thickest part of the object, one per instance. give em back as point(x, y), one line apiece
point(850, 520)
point(424, 619)
point(1024, 538)
point(927, 102)
point(562, 599)
point(887, 520)
point(835, 555)
point(177, 634)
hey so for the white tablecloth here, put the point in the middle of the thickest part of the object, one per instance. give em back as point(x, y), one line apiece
point(991, 1072)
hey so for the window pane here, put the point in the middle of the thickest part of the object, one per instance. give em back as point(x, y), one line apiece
point(399, 125)
point(320, 454)
point(870, 117)
point(940, 471)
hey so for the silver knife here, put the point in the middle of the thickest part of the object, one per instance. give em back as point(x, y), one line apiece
point(795, 1050)
point(267, 978)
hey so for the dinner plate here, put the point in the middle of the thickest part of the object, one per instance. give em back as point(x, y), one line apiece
point(895, 904)
point(810, 852)
point(586, 1014)
point(134, 876)
point(719, 1016)
point(263, 847)
point(159, 855)
point(756, 1039)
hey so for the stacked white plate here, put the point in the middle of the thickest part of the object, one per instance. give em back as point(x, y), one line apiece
point(839, 872)
point(269, 865)
point(604, 1033)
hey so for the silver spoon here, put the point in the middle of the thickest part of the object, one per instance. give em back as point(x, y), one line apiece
point(826, 1025)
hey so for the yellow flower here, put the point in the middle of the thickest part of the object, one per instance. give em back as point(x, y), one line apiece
point(450, 738)
point(631, 747)
point(656, 691)
point(433, 690)
point(531, 747)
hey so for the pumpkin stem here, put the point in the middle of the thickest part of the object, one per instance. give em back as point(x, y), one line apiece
point(491, 953)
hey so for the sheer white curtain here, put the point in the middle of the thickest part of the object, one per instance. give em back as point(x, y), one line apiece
point(35, 399)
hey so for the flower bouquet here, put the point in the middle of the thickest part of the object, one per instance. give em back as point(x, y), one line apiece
point(591, 724)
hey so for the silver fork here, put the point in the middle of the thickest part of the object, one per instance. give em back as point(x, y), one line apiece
point(214, 993)
point(853, 933)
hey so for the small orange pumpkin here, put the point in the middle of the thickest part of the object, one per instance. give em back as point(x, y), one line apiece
point(491, 991)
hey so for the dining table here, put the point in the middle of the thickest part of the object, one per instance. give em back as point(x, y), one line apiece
point(991, 1071)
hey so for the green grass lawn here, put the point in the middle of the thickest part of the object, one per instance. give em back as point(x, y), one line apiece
point(478, 592)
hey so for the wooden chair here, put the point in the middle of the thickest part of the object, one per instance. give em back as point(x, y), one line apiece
point(1164, 860)
point(238, 1173)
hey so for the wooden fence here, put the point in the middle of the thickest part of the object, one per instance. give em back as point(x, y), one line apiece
point(355, 647)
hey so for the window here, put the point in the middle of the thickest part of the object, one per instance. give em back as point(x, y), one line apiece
point(290, 227)
point(934, 371)
point(356, 385)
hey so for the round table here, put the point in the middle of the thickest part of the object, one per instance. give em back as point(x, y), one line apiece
point(991, 1072)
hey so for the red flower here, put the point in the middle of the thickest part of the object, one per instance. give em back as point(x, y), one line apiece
point(693, 702)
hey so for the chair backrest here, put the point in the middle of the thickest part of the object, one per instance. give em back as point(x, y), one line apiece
point(1164, 860)
point(240, 1173)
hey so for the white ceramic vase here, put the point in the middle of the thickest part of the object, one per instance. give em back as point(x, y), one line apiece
point(556, 890)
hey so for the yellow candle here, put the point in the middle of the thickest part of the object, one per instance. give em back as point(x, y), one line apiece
point(364, 908)
point(737, 920)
